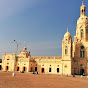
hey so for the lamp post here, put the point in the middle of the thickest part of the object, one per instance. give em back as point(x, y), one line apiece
point(17, 44)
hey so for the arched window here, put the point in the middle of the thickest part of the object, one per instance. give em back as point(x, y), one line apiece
point(82, 52)
point(66, 51)
point(82, 34)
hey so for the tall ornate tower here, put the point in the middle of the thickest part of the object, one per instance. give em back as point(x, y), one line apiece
point(82, 24)
point(66, 53)
point(80, 44)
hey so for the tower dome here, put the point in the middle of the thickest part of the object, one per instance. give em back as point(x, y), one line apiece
point(82, 19)
point(67, 34)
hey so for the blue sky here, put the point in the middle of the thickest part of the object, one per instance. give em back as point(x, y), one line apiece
point(40, 23)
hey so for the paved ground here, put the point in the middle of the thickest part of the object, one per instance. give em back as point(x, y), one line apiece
point(26, 80)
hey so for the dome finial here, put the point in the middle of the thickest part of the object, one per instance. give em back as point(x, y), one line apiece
point(82, 2)
point(67, 28)
point(25, 43)
point(67, 34)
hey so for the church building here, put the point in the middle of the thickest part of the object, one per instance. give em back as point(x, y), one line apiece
point(74, 58)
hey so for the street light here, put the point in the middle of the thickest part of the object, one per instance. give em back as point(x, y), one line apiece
point(17, 44)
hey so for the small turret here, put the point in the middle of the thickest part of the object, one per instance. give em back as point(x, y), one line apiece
point(83, 9)
point(25, 49)
point(67, 34)
point(66, 53)
point(67, 45)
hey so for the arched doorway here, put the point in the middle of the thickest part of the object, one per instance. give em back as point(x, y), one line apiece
point(81, 71)
point(42, 70)
point(7, 68)
point(17, 68)
point(0, 67)
point(24, 68)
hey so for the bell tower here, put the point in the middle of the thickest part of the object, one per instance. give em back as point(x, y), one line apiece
point(80, 44)
point(66, 53)
point(82, 24)
point(67, 46)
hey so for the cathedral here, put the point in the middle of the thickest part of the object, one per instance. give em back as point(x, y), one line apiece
point(74, 58)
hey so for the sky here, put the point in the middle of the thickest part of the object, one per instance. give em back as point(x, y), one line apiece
point(40, 23)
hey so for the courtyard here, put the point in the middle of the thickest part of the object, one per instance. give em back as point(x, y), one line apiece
point(27, 80)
